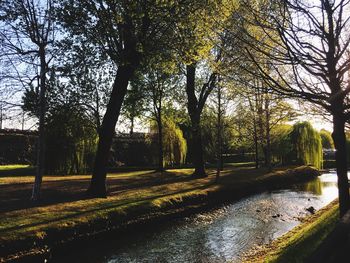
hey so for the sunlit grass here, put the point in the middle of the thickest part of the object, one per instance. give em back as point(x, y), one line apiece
point(299, 243)
point(13, 166)
point(53, 178)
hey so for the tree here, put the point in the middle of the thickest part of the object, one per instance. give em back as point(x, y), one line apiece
point(128, 33)
point(220, 114)
point(307, 144)
point(202, 32)
point(263, 112)
point(87, 74)
point(135, 101)
point(281, 144)
point(70, 136)
point(70, 140)
point(27, 33)
point(156, 83)
point(175, 146)
point(308, 46)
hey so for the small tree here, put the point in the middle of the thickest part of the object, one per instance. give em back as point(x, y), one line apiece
point(175, 146)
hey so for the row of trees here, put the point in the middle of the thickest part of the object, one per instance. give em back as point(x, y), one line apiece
point(109, 54)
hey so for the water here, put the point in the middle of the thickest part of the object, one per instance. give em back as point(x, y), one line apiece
point(221, 235)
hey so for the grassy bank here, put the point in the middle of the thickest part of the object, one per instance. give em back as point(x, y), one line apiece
point(134, 197)
point(299, 243)
point(17, 170)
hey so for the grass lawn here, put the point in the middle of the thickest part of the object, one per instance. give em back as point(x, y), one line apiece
point(13, 166)
point(65, 211)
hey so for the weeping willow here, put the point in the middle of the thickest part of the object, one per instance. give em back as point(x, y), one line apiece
point(71, 142)
point(306, 144)
point(174, 143)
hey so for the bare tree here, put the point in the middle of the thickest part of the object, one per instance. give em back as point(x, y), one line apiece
point(307, 46)
point(27, 32)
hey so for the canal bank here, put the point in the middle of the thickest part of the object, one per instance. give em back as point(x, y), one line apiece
point(299, 244)
point(32, 235)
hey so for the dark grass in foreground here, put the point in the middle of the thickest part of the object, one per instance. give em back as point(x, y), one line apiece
point(132, 196)
point(299, 243)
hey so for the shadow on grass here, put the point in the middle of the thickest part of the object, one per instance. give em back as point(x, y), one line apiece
point(15, 196)
point(105, 206)
point(26, 171)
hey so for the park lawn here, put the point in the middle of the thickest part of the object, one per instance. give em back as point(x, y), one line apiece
point(52, 178)
point(131, 195)
point(299, 243)
point(13, 166)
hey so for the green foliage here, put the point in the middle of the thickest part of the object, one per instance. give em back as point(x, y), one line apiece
point(307, 144)
point(135, 101)
point(70, 141)
point(30, 101)
point(281, 145)
point(17, 148)
point(174, 143)
point(131, 150)
point(299, 143)
point(327, 140)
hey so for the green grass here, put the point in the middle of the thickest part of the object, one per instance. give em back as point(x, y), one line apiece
point(241, 164)
point(299, 243)
point(13, 166)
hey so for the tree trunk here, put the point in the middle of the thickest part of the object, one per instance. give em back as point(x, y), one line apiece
point(268, 132)
point(160, 142)
point(338, 136)
point(219, 167)
point(255, 131)
point(256, 146)
point(41, 136)
point(197, 150)
point(97, 186)
point(194, 112)
point(132, 125)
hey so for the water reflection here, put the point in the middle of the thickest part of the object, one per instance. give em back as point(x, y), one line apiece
point(326, 182)
point(226, 233)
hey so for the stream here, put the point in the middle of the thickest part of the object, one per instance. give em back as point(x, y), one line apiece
point(220, 235)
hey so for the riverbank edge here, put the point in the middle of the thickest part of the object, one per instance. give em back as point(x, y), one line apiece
point(299, 243)
point(155, 211)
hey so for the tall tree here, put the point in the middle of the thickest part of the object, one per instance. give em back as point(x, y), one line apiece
point(202, 33)
point(307, 44)
point(129, 33)
point(28, 33)
point(156, 84)
point(195, 107)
